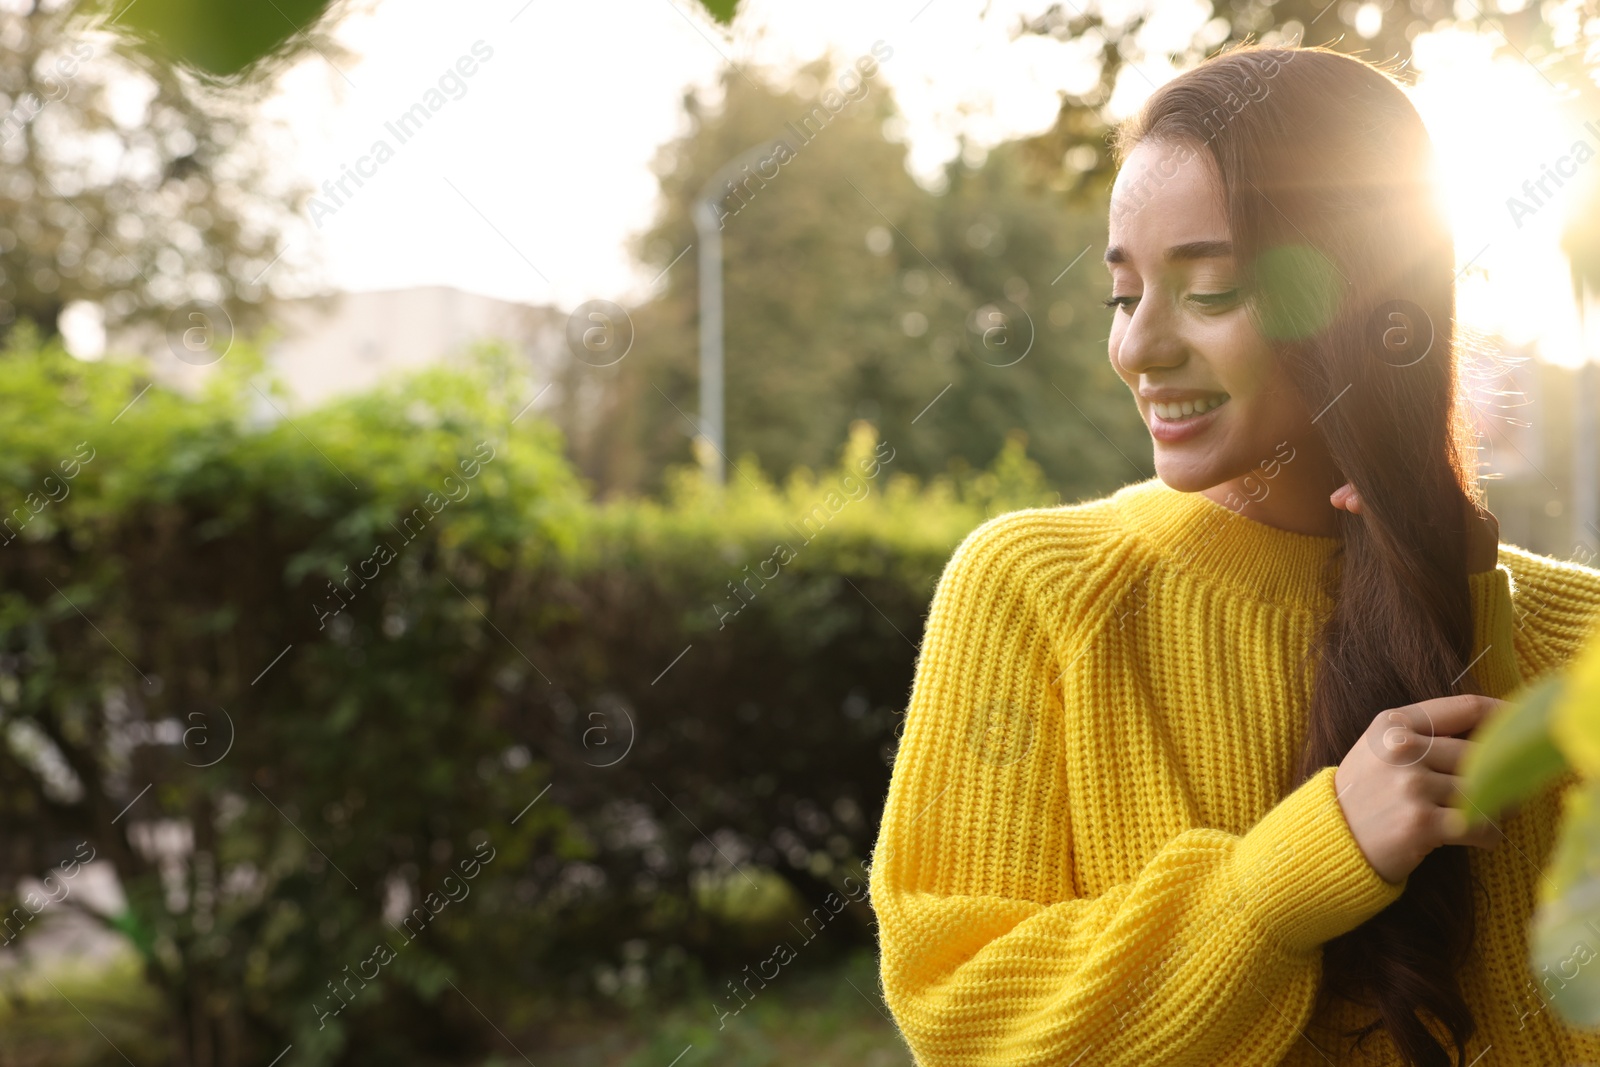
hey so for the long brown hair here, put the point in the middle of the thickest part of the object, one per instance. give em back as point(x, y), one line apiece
point(1327, 175)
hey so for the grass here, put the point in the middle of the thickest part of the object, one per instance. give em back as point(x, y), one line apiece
point(832, 1017)
point(79, 1016)
point(83, 1017)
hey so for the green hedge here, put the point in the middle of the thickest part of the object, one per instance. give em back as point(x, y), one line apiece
point(349, 649)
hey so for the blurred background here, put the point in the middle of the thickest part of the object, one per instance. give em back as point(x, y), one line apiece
point(473, 478)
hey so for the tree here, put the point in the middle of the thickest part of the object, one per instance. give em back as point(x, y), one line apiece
point(123, 181)
point(226, 40)
point(950, 321)
point(1073, 155)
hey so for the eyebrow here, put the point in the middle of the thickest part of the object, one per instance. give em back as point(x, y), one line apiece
point(1188, 251)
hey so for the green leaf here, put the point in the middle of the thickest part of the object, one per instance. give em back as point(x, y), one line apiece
point(143, 937)
point(220, 39)
point(1565, 933)
point(1575, 721)
point(721, 10)
point(1515, 755)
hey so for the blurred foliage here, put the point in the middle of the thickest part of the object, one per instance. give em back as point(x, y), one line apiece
point(123, 181)
point(1119, 41)
point(218, 39)
point(1546, 732)
point(223, 39)
point(663, 742)
point(950, 321)
point(1073, 155)
point(1559, 38)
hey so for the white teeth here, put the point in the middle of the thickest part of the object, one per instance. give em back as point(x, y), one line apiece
point(1186, 408)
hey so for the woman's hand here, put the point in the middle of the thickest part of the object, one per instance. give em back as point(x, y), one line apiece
point(1398, 784)
point(1483, 529)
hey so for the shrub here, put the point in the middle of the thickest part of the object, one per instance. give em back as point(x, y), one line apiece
point(390, 731)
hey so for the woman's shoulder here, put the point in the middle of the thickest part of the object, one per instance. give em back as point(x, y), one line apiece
point(1556, 606)
point(1064, 551)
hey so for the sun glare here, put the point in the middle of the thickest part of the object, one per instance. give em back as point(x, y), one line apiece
point(1511, 161)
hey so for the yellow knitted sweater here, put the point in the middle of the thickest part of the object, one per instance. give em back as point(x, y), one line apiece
point(1091, 853)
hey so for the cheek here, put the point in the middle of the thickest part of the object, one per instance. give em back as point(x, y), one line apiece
point(1244, 365)
point(1269, 409)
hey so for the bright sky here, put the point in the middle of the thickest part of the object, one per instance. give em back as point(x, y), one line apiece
point(528, 182)
point(1496, 126)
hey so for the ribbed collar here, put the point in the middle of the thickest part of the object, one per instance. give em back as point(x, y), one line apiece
point(1197, 534)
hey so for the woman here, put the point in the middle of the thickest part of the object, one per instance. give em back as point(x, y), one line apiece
point(1178, 777)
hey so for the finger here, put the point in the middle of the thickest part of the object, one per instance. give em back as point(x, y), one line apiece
point(1483, 816)
point(1396, 743)
point(1443, 790)
point(1345, 498)
point(1455, 795)
point(1451, 827)
point(1444, 754)
point(1487, 835)
point(1444, 716)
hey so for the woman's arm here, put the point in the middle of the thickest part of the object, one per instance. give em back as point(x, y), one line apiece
point(992, 954)
point(1557, 607)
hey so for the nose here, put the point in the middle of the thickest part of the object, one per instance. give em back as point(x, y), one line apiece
point(1148, 340)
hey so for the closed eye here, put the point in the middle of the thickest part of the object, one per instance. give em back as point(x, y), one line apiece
point(1215, 299)
point(1124, 302)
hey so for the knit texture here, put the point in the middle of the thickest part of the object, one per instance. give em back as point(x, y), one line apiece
point(1092, 852)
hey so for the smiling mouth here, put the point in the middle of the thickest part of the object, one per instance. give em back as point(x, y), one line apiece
point(1177, 411)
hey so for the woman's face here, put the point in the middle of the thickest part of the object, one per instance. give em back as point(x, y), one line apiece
point(1217, 401)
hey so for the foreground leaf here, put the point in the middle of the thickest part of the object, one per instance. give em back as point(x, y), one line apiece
point(1575, 720)
point(1516, 754)
point(721, 10)
point(1565, 933)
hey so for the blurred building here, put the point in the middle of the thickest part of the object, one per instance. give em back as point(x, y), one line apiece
point(329, 346)
point(344, 343)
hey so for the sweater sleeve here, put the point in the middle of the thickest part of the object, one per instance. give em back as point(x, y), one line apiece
point(1494, 662)
point(991, 954)
point(1556, 606)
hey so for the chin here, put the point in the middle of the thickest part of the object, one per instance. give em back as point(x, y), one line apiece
point(1187, 474)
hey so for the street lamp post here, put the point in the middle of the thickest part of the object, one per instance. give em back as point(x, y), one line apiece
point(1586, 440)
point(708, 225)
